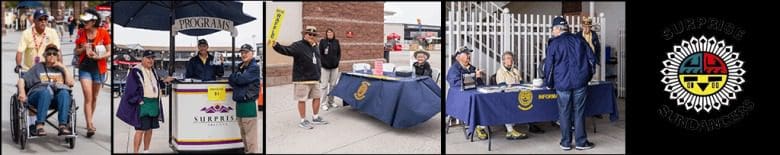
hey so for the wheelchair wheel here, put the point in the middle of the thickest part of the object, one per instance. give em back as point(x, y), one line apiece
point(14, 119)
point(23, 132)
point(23, 142)
point(71, 142)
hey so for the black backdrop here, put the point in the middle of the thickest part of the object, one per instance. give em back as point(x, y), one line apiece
point(646, 130)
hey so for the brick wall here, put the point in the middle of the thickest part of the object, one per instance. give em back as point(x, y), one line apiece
point(364, 19)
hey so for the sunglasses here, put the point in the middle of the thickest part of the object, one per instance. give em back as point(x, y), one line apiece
point(43, 19)
point(50, 54)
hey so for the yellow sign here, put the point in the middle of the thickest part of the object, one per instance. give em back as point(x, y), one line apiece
point(276, 24)
point(547, 96)
point(360, 94)
point(524, 99)
point(217, 93)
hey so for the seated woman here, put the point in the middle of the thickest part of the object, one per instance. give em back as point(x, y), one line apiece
point(421, 66)
point(508, 74)
point(48, 81)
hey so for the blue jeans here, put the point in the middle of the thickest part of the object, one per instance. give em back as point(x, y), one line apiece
point(42, 99)
point(571, 106)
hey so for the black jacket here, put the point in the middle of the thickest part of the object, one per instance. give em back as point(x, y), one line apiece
point(196, 69)
point(303, 53)
point(332, 58)
point(423, 69)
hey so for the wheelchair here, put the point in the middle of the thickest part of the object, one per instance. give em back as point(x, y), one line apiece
point(22, 124)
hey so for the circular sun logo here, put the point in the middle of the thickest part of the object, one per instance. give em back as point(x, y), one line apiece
point(702, 74)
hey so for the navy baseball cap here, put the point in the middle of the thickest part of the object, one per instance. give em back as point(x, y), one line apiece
point(559, 21)
point(246, 47)
point(202, 41)
point(149, 53)
point(39, 13)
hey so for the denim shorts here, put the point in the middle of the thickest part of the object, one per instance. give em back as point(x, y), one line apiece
point(95, 76)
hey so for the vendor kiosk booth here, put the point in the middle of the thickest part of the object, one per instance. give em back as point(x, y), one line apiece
point(203, 115)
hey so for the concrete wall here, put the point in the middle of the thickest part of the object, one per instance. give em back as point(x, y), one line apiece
point(290, 31)
point(542, 8)
point(615, 12)
point(277, 65)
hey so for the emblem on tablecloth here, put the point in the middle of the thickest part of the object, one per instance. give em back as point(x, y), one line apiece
point(360, 94)
point(524, 99)
point(702, 74)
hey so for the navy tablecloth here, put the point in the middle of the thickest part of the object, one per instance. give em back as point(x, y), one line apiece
point(477, 108)
point(400, 103)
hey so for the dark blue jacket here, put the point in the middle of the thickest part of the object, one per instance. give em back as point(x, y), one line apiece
point(596, 44)
point(569, 63)
point(205, 72)
point(455, 75)
point(246, 82)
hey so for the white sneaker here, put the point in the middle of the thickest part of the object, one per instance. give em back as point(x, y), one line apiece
point(565, 148)
point(325, 107)
point(146, 151)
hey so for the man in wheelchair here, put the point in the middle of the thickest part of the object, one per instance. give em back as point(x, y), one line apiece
point(44, 83)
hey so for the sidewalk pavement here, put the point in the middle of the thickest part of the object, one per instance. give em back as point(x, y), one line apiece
point(349, 130)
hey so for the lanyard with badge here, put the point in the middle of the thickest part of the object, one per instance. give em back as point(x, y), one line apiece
point(38, 41)
point(327, 48)
point(314, 58)
point(314, 54)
